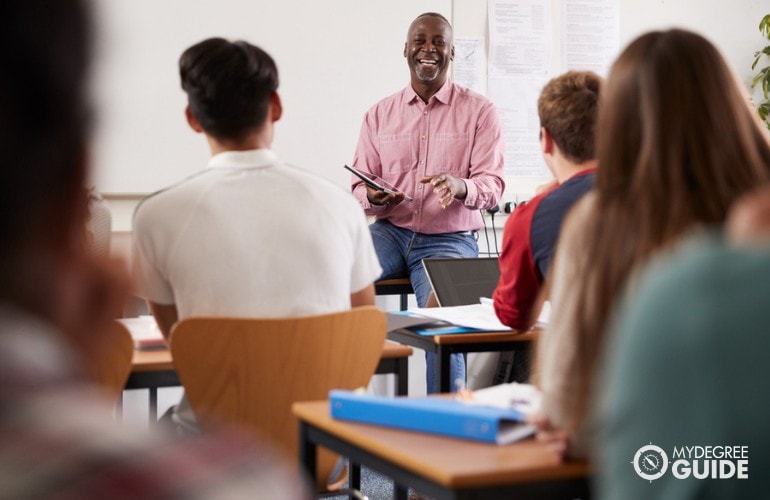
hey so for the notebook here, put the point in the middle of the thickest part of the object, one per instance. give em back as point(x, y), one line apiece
point(462, 281)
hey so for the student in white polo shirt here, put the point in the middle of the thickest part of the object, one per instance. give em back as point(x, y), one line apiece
point(233, 239)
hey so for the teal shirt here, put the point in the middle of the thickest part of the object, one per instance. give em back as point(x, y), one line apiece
point(689, 365)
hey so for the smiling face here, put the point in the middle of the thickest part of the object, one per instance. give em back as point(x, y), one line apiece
point(428, 50)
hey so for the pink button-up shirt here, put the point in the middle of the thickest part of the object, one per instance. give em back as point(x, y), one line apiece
point(403, 139)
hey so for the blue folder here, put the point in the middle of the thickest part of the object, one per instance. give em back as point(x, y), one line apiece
point(433, 415)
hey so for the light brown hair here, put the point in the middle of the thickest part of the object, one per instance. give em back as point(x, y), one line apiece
point(677, 144)
point(568, 110)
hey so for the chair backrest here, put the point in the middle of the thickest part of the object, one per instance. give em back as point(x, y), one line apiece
point(112, 366)
point(250, 371)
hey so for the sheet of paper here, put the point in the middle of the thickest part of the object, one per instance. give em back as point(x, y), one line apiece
point(519, 37)
point(522, 397)
point(516, 102)
point(481, 316)
point(590, 34)
point(468, 65)
point(145, 332)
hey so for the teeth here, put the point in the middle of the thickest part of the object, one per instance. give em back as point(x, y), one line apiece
point(424, 61)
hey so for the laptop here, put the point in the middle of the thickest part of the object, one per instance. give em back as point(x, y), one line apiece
point(462, 281)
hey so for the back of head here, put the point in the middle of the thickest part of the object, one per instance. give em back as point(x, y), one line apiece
point(43, 126)
point(677, 131)
point(228, 86)
point(677, 144)
point(568, 109)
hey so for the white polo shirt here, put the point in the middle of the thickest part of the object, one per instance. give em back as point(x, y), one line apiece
point(250, 236)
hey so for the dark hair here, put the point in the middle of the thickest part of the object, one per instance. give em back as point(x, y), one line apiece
point(434, 14)
point(228, 86)
point(44, 118)
point(568, 108)
point(431, 14)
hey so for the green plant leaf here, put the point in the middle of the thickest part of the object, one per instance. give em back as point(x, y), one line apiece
point(764, 26)
point(763, 76)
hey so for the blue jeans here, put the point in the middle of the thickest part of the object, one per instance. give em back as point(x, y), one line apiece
point(401, 252)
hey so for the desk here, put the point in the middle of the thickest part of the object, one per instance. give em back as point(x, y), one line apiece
point(154, 368)
point(439, 466)
point(445, 345)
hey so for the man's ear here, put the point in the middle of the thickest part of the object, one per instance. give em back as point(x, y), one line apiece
point(404, 49)
point(276, 108)
point(452, 53)
point(546, 141)
point(191, 120)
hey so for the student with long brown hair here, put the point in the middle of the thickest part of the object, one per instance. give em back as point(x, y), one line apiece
point(677, 144)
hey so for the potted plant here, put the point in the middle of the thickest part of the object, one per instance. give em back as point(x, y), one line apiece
point(762, 78)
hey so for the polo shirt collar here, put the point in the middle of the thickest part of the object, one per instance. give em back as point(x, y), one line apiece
point(251, 158)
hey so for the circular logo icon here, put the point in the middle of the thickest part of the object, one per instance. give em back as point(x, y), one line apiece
point(650, 462)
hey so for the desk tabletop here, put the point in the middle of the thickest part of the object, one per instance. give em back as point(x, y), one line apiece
point(152, 360)
point(149, 360)
point(454, 463)
point(473, 338)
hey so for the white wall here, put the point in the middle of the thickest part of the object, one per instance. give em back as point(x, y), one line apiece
point(336, 59)
point(732, 26)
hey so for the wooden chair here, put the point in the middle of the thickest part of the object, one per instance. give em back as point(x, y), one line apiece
point(250, 371)
point(110, 365)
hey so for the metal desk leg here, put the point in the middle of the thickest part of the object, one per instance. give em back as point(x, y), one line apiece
point(402, 377)
point(442, 369)
point(153, 404)
point(354, 475)
point(307, 453)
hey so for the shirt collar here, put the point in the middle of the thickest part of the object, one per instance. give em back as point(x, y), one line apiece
point(443, 95)
point(251, 158)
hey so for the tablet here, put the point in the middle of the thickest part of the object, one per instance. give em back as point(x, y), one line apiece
point(375, 182)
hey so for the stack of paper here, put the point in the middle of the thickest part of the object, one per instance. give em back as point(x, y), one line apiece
point(479, 316)
point(145, 332)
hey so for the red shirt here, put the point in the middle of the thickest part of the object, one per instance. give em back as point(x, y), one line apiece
point(529, 241)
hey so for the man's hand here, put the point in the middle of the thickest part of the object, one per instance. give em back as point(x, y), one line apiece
point(377, 197)
point(447, 187)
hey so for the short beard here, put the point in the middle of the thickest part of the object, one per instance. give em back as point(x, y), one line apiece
point(426, 78)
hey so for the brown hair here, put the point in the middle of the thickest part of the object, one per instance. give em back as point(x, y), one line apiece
point(677, 145)
point(568, 110)
point(44, 125)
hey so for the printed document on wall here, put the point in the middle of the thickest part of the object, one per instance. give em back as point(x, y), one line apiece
point(590, 35)
point(516, 103)
point(468, 64)
point(519, 37)
point(519, 61)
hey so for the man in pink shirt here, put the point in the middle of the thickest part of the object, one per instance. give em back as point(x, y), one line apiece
point(441, 144)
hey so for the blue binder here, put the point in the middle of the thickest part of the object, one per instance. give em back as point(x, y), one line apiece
point(434, 415)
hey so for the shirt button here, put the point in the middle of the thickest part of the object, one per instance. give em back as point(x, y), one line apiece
point(422, 162)
point(425, 112)
point(423, 138)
